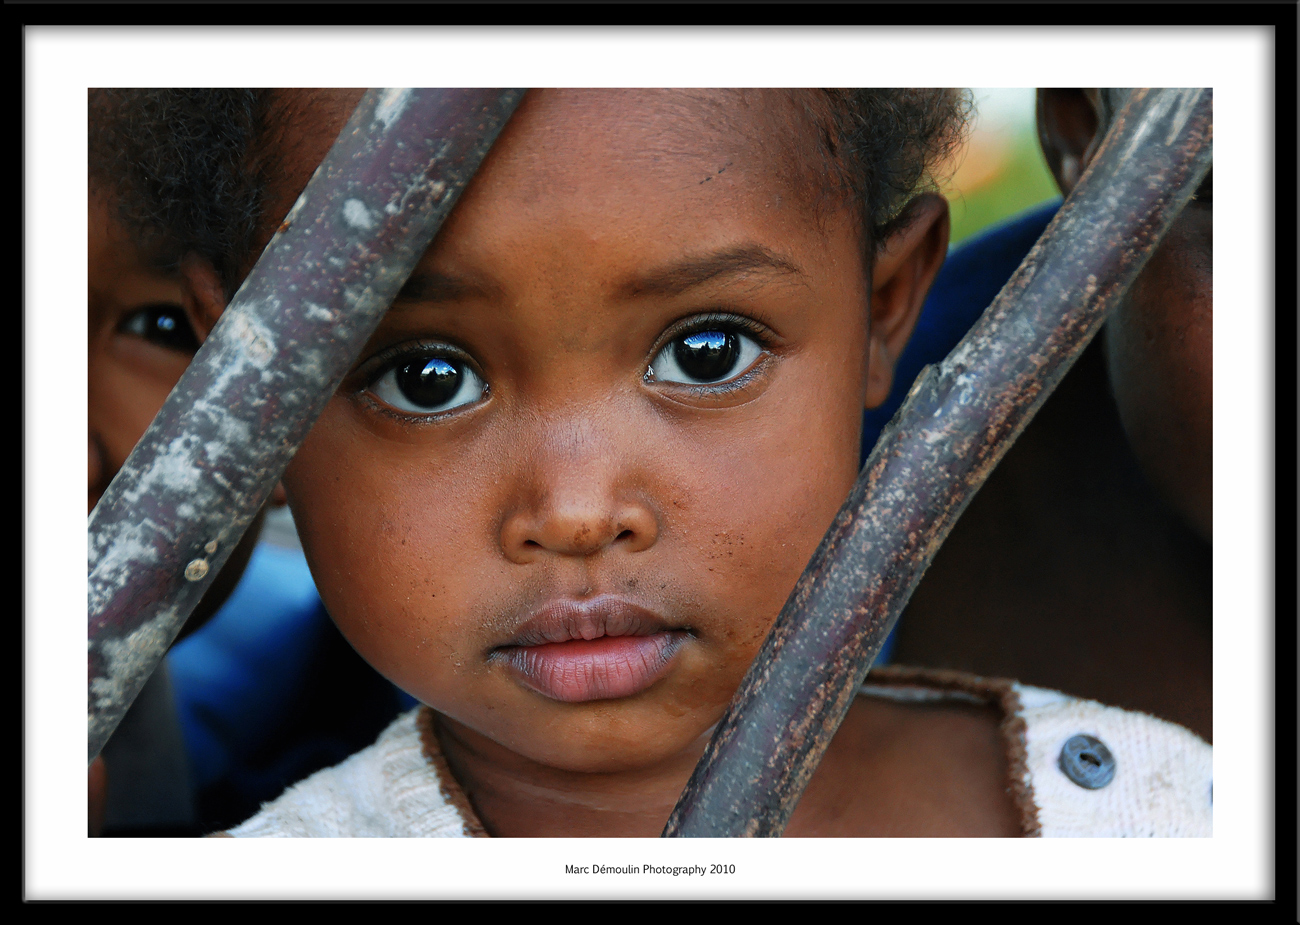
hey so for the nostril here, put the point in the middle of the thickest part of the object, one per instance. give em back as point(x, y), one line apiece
point(564, 526)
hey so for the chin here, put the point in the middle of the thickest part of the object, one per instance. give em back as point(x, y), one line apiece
point(602, 743)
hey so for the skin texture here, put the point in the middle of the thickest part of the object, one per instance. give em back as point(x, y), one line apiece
point(1084, 563)
point(600, 224)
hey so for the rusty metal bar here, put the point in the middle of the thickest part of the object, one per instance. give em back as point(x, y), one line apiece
point(957, 423)
point(212, 456)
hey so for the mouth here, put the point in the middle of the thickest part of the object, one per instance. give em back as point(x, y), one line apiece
point(600, 649)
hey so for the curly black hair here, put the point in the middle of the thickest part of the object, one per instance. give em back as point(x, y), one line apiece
point(188, 168)
point(888, 145)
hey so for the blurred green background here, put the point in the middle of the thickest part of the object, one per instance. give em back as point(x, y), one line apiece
point(1000, 171)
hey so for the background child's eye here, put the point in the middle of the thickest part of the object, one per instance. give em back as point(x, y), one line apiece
point(705, 357)
point(428, 385)
point(164, 325)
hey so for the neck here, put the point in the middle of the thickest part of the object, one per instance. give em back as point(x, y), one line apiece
point(515, 796)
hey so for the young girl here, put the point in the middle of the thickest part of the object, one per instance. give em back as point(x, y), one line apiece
point(574, 475)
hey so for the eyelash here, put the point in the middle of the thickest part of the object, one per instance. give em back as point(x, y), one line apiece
point(716, 320)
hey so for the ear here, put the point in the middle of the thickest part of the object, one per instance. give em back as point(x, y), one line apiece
point(202, 294)
point(906, 264)
point(1068, 120)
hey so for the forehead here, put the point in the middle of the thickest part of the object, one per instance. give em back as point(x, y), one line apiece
point(116, 263)
point(658, 133)
point(562, 141)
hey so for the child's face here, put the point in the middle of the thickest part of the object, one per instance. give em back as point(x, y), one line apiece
point(620, 402)
point(139, 343)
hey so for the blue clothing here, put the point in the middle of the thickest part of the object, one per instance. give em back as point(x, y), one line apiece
point(971, 277)
point(268, 691)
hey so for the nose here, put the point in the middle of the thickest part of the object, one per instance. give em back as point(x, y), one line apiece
point(578, 499)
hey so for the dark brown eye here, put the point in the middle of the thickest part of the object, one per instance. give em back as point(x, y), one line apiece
point(708, 356)
point(705, 357)
point(428, 385)
point(164, 325)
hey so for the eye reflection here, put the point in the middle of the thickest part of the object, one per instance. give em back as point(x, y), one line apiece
point(428, 385)
point(705, 357)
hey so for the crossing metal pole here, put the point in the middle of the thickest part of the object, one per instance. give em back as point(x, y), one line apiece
point(956, 424)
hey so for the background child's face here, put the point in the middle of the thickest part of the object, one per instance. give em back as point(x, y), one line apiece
point(139, 344)
point(1160, 352)
point(621, 394)
point(1159, 340)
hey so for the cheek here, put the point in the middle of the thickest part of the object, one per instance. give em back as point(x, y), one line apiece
point(757, 510)
point(1160, 341)
point(127, 386)
point(394, 550)
point(1159, 348)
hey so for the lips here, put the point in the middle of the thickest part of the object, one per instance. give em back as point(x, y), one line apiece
point(604, 648)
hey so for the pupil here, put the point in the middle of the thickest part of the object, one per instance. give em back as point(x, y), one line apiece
point(164, 325)
point(708, 355)
point(429, 383)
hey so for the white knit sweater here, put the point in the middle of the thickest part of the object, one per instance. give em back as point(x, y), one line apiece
point(400, 787)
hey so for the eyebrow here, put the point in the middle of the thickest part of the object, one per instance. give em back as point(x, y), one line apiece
point(674, 279)
point(743, 260)
point(438, 287)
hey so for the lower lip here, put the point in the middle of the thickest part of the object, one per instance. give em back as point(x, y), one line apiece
point(606, 668)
